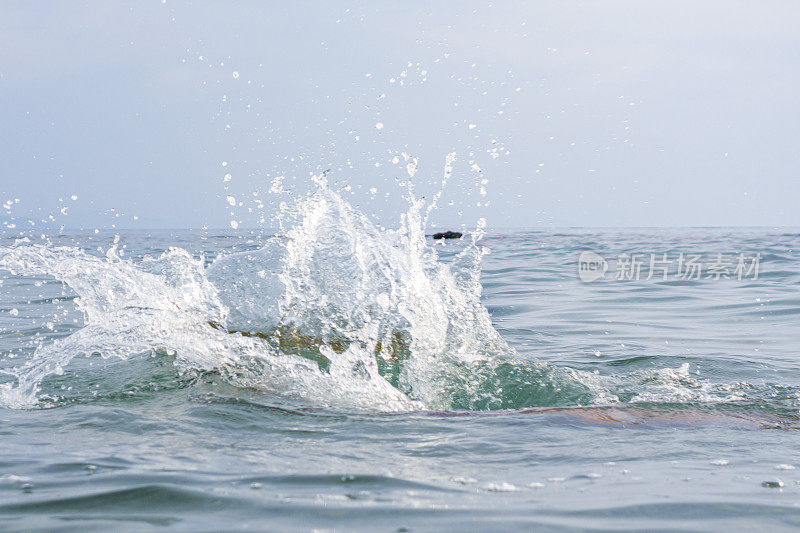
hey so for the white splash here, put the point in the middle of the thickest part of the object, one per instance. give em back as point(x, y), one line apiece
point(336, 311)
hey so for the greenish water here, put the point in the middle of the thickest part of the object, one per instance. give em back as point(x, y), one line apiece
point(620, 404)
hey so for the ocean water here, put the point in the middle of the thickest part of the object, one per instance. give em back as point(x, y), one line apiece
point(342, 377)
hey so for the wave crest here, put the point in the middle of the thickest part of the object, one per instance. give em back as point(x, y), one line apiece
point(335, 311)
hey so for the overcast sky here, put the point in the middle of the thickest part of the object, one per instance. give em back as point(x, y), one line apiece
point(576, 113)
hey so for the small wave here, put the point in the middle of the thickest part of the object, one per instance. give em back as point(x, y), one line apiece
point(335, 313)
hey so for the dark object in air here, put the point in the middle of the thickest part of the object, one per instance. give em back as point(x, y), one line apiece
point(448, 235)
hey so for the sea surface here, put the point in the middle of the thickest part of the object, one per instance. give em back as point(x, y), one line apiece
point(174, 394)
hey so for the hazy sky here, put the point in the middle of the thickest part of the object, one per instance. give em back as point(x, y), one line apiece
point(577, 113)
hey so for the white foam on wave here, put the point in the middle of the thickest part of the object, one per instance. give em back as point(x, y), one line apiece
point(312, 314)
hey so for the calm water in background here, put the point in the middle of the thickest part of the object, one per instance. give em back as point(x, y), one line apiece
point(128, 445)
